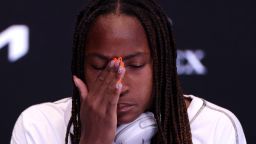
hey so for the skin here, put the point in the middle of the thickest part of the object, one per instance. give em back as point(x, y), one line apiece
point(122, 35)
point(114, 35)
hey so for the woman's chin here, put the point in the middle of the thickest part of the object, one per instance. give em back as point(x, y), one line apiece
point(126, 118)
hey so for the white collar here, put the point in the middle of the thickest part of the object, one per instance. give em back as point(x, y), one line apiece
point(195, 107)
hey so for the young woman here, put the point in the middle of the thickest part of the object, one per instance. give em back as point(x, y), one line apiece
point(124, 72)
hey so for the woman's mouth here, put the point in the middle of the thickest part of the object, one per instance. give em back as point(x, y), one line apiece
point(124, 107)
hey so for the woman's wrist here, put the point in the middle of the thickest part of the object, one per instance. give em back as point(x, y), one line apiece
point(84, 140)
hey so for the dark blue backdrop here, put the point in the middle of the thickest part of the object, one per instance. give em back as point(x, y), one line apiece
point(216, 40)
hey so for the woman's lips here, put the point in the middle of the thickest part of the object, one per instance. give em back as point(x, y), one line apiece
point(124, 107)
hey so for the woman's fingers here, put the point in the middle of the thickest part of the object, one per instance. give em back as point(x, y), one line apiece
point(108, 90)
point(113, 98)
point(105, 78)
point(107, 73)
point(116, 86)
point(107, 87)
point(101, 103)
point(112, 92)
point(101, 78)
point(81, 87)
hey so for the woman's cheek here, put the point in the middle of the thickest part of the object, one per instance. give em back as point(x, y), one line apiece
point(141, 78)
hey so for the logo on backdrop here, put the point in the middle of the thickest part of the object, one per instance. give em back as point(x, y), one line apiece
point(17, 39)
point(189, 62)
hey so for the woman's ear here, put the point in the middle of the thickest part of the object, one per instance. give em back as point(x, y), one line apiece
point(81, 87)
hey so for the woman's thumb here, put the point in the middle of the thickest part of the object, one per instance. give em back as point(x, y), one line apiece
point(81, 87)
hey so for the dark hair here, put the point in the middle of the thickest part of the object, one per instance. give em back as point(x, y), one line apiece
point(168, 103)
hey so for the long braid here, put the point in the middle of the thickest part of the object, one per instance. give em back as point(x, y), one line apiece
point(169, 106)
point(162, 74)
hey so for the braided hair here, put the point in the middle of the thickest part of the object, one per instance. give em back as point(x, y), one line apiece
point(168, 102)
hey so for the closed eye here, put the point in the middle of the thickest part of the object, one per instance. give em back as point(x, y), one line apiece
point(98, 67)
point(136, 66)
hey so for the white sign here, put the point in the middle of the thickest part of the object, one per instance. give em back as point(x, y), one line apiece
point(189, 62)
point(17, 39)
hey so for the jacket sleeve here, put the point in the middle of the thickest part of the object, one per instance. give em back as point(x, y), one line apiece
point(229, 130)
point(18, 133)
point(40, 124)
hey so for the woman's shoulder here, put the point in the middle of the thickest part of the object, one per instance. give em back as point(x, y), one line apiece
point(45, 121)
point(56, 109)
point(202, 107)
point(211, 122)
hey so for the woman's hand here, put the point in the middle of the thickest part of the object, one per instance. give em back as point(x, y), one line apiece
point(99, 105)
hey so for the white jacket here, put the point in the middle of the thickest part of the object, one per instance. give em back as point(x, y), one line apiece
point(46, 123)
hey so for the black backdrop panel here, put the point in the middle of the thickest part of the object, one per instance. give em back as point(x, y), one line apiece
point(216, 42)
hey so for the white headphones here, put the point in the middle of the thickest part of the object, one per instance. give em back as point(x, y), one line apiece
point(140, 131)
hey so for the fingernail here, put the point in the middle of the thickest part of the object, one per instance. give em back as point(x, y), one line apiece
point(75, 80)
point(121, 70)
point(119, 85)
point(112, 63)
point(117, 63)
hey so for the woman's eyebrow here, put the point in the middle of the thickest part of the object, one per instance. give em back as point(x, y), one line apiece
point(130, 56)
point(136, 54)
point(97, 56)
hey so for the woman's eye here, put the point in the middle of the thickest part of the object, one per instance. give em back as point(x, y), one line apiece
point(136, 66)
point(98, 67)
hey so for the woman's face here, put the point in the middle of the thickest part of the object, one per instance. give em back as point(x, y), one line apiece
point(112, 36)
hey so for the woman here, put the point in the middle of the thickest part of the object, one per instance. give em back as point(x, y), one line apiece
point(124, 65)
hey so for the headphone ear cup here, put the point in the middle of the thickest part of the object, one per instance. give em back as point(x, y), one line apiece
point(139, 131)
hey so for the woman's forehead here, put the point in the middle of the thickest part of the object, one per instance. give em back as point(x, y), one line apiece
point(117, 35)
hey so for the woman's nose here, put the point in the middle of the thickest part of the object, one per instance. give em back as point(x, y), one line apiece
point(124, 91)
